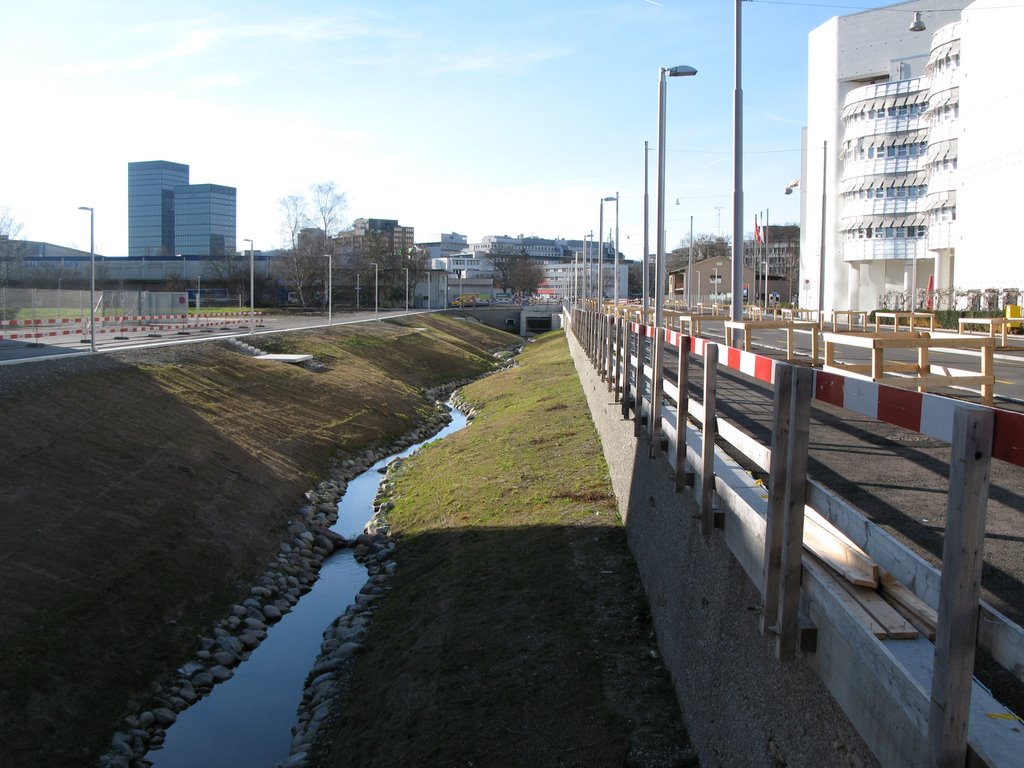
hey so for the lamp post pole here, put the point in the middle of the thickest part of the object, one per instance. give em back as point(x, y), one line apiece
point(659, 264)
point(252, 291)
point(330, 288)
point(600, 257)
point(375, 291)
point(92, 276)
point(737, 159)
point(645, 288)
point(406, 289)
point(689, 266)
point(615, 245)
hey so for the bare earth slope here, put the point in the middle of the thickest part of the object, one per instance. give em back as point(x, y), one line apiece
point(139, 493)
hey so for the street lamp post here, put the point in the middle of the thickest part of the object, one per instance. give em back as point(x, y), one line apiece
point(689, 266)
point(615, 245)
point(764, 266)
point(376, 268)
point(252, 288)
point(737, 159)
point(645, 288)
point(92, 276)
point(659, 275)
point(406, 289)
point(330, 288)
point(600, 256)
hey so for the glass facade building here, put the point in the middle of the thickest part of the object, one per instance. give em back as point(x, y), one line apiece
point(204, 219)
point(168, 216)
point(151, 187)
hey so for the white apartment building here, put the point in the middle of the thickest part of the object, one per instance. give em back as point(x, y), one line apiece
point(910, 154)
point(443, 244)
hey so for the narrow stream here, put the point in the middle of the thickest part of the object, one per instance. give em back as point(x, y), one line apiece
point(247, 720)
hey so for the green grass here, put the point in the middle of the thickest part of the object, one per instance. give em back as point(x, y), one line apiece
point(515, 633)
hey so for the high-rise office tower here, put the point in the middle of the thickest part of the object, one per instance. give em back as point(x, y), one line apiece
point(151, 188)
point(168, 216)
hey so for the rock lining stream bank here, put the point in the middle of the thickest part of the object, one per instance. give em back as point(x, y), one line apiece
point(291, 574)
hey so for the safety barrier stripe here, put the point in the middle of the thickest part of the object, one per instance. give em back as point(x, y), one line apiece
point(922, 412)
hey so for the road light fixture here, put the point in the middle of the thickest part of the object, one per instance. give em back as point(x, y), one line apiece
point(659, 264)
point(252, 291)
point(92, 276)
point(615, 261)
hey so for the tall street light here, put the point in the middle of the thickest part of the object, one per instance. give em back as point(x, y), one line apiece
point(376, 268)
point(92, 276)
point(330, 288)
point(689, 267)
point(659, 264)
point(615, 261)
point(644, 287)
point(406, 289)
point(252, 286)
point(737, 159)
point(600, 256)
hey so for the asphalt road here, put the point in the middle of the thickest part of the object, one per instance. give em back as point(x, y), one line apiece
point(15, 351)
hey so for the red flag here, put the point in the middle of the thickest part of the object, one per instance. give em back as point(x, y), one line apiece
point(757, 230)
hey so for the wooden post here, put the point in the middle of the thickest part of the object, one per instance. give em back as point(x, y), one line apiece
point(617, 358)
point(657, 383)
point(959, 591)
point(609, 351)
point(777, 474)
point(627, 354)
point(877, 363)
point(923, 366)
point(987, 390)
point(638, 398)
point(682, 408)
point(707, 455)
point(793, 525)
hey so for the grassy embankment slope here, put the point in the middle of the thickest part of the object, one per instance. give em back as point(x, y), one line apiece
point(141, 493)
point(516, 632)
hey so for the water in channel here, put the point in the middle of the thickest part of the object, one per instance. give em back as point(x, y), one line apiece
point(247, 720)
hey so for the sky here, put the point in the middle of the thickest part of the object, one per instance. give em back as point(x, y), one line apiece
point(450, 116)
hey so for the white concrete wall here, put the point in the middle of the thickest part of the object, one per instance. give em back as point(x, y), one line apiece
point(846, 53)
point(991, 154)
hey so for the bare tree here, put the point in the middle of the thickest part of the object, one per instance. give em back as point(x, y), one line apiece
point(503, 257)
point(12, 253)
point(527, 275)
point(328, 205)
point(296, 217)
point(10, 227)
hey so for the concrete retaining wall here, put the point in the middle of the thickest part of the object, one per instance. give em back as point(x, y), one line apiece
point(742, 706)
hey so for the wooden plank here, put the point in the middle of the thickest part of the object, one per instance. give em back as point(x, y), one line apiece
point(838, 552)
point(835, 590)
point(916, 610)
point(962, 554)
point(896, 626)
